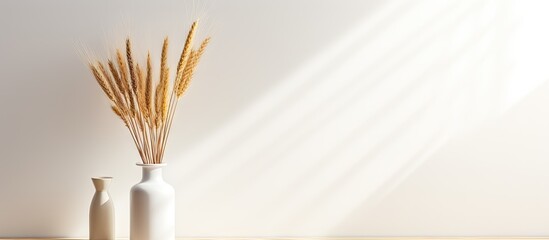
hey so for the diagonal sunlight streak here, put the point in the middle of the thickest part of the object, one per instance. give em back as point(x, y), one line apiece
point(327, 88)
point(406, 169)
point(335, 105)
point(323, 120)
point(316, 94)
point(372, 171)
point(264, 106)
point(332, 104)
point(324, 140)
point(370, 167)
point(320, 172)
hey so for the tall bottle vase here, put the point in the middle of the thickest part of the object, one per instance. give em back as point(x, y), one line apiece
point(152, 206)
point(101, 211)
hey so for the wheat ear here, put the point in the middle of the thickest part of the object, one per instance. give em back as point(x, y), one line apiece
point(112, 85)
point(131, 66)
point(163, 77)
point(191, 66)
point(161, 98)
point(141, 88)
point(102, 83)
point(164, 60)
point(185, 55)
point(162, 85)
point(148, 88)
point(125, 78)
point(116, 76)
point(118, 113)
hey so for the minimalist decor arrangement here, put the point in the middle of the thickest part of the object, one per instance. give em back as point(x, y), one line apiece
point(101, 211)
point(148, 113)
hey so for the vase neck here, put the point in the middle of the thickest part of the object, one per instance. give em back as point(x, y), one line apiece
point(152, 173)
point(101, 183)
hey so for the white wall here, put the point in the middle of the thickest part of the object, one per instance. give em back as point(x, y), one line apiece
point(306, 118)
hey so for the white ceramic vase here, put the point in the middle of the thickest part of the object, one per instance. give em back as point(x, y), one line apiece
point(152, 206)
point(101, 211)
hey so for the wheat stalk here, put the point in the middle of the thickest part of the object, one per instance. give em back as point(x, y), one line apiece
point(147, 110)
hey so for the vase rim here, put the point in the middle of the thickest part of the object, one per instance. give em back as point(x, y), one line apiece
point(101, 178)
point(151, 164)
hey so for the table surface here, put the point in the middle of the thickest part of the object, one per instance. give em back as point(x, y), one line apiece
point(324, 238)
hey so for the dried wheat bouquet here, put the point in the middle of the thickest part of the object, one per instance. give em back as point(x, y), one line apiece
point(147, 109)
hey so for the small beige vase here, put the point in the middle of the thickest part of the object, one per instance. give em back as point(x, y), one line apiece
point(101, 211)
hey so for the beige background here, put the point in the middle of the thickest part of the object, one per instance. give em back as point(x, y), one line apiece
point(306, 118)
